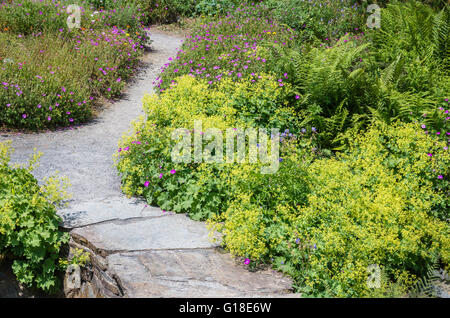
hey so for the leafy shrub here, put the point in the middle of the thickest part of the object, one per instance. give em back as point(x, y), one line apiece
point(164, 11)
point(414, 40)
point(319, 18)
point(215, 7)
point(144, 159)
point(374, 204)
point(29, 231)
point(398, 72)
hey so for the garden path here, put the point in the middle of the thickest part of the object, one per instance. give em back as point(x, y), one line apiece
point(137, 251)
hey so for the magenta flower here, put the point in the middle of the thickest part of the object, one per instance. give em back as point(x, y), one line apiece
point(173, 171)
point(160, 175)
point(146, 184)
point(24, 116)
point(440, 177)
point(247, 261)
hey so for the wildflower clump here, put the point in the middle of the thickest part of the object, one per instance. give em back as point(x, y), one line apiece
point(29, 226)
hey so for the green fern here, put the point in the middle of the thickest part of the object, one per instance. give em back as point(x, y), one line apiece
point(426, 286)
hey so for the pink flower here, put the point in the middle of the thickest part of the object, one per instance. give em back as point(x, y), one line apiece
point(173, 171)
point(24, 116)
point(247, 261)
point(440, 177)
point(160, 175)
point(146, 184)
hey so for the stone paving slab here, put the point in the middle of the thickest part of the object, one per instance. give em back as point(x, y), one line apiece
point(145, 252)
point(116, 208)
point(196, 273)
point(145, 233)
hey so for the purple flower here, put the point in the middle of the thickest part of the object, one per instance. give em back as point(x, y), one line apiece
point(146, 184)
point(173, 171)
point(24, 116)
point(247, 261)
point(440, 177)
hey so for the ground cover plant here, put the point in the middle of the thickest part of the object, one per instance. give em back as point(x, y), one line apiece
point(363, 174)
point(29, 226)
point(50, 75)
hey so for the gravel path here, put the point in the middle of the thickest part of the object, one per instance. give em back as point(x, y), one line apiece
point(84, 154)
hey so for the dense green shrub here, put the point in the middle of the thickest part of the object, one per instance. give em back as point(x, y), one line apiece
point(164, 11)
point(319, 18)
point(374, 204)
point(144, 158)
point(29, 231)
point(398, 72)
point(215, 7)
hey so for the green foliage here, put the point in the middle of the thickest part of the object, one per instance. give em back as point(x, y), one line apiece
point(215, 7)
point(426, 285)
point(397, 72)
point(319, 18)
point(323, 219)
point(29, 231)
point(374, 204)
point(198, 189)
point(164, 11)
point(77, 257)
point(32, 17)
